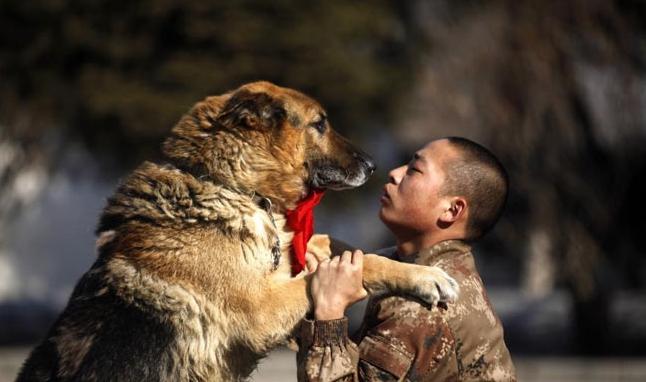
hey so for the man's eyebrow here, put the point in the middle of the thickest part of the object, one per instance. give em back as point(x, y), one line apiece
point(416, 156)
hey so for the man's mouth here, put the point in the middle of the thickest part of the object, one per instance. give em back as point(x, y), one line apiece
point(385, 197)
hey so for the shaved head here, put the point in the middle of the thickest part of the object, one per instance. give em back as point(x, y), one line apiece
point(478, 176)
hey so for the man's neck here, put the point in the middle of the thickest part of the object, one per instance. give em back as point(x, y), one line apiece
point(408, 247)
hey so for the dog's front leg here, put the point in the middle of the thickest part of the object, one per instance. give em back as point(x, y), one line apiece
point(431, 284)
point(323, 247)
point(276, 311)
point(282, 302)
point(382, 275)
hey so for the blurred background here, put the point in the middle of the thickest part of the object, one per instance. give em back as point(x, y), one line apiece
point(557, 89)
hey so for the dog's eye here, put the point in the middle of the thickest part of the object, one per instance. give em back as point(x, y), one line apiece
point(320, 124)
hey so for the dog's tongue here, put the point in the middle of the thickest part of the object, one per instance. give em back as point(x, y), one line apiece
point(301, 221)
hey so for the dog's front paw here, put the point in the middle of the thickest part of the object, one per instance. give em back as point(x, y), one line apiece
point(434, 285)
point(320, 247)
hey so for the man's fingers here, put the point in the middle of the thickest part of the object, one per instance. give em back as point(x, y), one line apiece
point(357, 258)
point(346, 257)
point(335, 260)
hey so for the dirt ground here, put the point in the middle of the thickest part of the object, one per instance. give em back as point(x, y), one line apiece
point(280, 366)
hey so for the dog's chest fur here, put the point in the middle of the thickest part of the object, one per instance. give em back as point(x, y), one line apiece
point(177, 268)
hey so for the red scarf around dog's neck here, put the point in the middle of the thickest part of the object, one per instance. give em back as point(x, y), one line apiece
point(301, 221)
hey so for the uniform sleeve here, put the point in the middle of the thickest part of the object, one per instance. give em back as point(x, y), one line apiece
point(402, 347)
point(326, 353)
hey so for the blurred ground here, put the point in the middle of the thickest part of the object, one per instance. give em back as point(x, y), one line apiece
point(280, 366)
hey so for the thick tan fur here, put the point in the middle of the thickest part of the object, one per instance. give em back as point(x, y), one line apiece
point(188, 246)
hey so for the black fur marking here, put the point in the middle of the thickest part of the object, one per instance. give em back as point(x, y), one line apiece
point(253, 110)
point(324, 173)
point(294, 120)
point(125, 342)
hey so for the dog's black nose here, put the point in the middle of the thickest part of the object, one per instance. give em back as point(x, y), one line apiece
point(366, 161)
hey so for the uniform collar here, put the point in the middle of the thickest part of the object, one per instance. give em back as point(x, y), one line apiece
point(427, 255)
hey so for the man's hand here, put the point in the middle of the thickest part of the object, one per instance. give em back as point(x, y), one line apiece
point(337, 284)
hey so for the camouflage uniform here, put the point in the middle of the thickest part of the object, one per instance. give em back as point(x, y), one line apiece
point(403, 339)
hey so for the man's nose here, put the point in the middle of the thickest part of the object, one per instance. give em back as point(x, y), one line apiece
point(395, 175)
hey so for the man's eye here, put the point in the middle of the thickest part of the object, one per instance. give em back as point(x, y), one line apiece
point(411, 170)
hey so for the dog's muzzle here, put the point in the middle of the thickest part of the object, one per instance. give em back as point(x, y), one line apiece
point(331, 175)
point(367, 163)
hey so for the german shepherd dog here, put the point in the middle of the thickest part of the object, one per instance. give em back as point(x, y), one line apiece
point(189, 284)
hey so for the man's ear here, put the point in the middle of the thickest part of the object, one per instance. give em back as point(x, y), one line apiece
point(252, 110)
point(454, 209)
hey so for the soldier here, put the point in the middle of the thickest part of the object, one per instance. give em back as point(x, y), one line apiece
point(451, 192)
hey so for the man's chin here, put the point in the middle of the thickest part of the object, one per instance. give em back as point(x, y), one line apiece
point(383, 216)
point(392, 223)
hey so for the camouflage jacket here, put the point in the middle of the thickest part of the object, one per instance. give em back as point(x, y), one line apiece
point(403, 339)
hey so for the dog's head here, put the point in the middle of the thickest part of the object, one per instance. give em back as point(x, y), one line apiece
point(266, 139)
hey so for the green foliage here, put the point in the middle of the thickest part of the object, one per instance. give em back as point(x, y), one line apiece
point(118, 75)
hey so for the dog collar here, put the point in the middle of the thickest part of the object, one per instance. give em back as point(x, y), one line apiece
point(265, 204)
point(301, 221)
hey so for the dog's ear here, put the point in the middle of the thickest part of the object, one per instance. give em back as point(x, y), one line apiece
point(252, 110)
